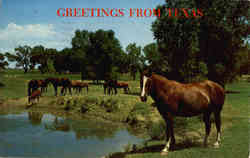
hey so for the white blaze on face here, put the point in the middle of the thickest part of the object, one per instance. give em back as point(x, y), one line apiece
point(143, 87)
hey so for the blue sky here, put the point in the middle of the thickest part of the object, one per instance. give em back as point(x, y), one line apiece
point(34, 22)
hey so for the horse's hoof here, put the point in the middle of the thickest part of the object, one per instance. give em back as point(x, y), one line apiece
point(216, 145)
point(164, 153)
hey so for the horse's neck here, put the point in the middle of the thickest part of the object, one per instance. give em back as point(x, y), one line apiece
point(160, 83)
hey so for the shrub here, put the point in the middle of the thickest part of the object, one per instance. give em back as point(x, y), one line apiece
point(156, 131)
point(111, 105)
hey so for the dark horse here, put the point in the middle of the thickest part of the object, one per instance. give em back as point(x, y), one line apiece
point(78, 85)
point(110, 85)
point(35, 84)
point(32, 86)
point(176, 99)
point(64, 82)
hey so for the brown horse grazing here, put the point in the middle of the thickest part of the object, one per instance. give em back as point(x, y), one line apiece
point(123, 85)
point(35, 84)
point(78, 85)
point(43, 85)
point(56, 82)
point(35, 95)
point(176, 99)
point(32, 86)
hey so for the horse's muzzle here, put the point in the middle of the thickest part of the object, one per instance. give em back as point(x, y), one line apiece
point(143, 98)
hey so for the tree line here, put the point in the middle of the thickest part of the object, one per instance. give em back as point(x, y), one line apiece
point(214, 46)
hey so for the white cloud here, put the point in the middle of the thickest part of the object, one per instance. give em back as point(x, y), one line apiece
point(32, 34)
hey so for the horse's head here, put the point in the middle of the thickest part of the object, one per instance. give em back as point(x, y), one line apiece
point(146, 84)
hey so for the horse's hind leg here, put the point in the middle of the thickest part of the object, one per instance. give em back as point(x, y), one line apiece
point(206, 119)
point(217, 117)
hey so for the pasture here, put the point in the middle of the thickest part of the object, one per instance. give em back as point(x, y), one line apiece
point(127, 108)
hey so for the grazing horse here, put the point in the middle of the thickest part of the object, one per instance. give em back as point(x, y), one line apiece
point(78, 85)
point(32, 86)
point(110, 85)
point(35, 95)
point(43, 84)
point(123, 85)
point(176, 99)
point(64, 82)
point(35, 84)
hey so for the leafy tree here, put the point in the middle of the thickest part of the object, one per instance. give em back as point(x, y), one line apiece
point(3, 63)
point(206, 44)
point(135, 58)
point(100, 52)
point(61, 60)
point(22, 57)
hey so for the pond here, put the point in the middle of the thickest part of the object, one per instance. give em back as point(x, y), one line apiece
point(34, 134)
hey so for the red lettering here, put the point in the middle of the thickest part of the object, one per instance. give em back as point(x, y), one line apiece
point(92, 12)
point(98, 12)
point(200, 13)
point(58, 11)
point(175, 12)
point(68, 11)
point(121, 12)
point(111, 12)
point(185, 12)
point(131, 12)
point(105, 12)
point(169, 10)
point(157, 12)
point(150, 12)
point(140, 12)
point(76, 11)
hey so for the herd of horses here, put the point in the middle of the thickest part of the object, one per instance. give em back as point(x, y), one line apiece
point(172, 99)
point(37, 87)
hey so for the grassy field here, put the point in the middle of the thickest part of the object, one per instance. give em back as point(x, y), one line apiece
point(128, 108)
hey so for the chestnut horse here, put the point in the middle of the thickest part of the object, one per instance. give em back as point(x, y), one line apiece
point(36, 94)
point(64, 82)
point(123, 85)
point(176, 99)
point(78, 85)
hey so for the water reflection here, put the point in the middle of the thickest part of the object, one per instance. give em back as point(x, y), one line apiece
point(35, 134)
point(35, 117)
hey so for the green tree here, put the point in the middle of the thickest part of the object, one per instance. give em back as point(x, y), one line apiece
point(207, 43)
point(3, 63)
point(135, 58)
point(22, 57)
point(100, 52)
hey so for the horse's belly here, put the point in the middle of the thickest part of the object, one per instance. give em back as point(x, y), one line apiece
point(187, 114)
point(189, 110)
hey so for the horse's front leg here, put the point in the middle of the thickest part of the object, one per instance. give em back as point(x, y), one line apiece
point(70, 90)
point(62, 91)
point(55, 88)
point(170, 141)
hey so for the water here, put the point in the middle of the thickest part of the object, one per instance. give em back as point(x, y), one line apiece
point(40, 135)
